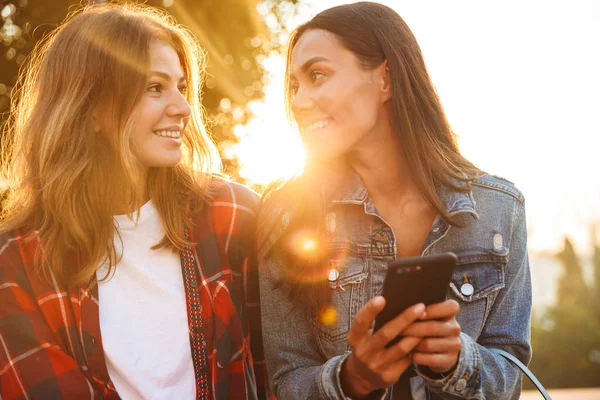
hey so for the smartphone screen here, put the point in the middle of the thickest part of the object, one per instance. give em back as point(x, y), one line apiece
point(408, 281)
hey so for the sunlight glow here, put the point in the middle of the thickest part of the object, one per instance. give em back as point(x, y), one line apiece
point(520, 111)
point(308, 245)
point(268, 147)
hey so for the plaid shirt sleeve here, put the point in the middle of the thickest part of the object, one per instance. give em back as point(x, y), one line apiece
point(234, 217)
point(254, 324)
point(33, 364)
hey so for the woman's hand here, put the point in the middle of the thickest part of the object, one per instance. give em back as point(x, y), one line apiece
point(371, 366)
point(440, 332)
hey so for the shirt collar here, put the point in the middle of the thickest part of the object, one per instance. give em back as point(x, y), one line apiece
point(455, 202)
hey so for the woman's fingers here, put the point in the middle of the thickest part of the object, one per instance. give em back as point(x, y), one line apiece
point(443, 310)
point(434, 328)
point(364, 320)
point(400, 350)
point(440, 348)
point(396, 369)
point(395, 327)
point(439, 345)
point(437, 362)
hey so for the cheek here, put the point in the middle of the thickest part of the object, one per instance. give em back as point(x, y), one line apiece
point(148, 112)
point(351, 105)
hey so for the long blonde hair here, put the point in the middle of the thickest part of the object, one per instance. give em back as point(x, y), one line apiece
point(61, 172)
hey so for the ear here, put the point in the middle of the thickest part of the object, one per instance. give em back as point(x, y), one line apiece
point(383, 73)
point(95, 122)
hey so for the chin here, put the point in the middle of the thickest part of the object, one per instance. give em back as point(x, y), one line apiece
point(322, 154)
point(164, 163)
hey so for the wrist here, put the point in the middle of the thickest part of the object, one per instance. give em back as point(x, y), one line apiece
point(431, 374)
point(436, 374)
point(353, 384)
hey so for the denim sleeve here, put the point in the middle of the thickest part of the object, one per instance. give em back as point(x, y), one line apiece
point(480, 372)
point(296, 368)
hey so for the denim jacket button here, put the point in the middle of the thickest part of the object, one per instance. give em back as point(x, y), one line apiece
point(467, 289)
point(333, 275)
point(460, 385)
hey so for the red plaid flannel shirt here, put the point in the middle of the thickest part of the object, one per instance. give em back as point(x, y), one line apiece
point(50, 342)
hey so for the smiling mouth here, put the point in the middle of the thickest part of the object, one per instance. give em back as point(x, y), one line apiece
point(168, 134)
point(315, 126)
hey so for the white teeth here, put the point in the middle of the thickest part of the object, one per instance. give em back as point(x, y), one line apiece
point(317, 125)
point(173, 134)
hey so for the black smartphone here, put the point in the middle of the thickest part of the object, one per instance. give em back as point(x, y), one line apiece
point(408, 281)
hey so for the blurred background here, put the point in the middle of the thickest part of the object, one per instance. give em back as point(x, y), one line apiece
point(520, 85)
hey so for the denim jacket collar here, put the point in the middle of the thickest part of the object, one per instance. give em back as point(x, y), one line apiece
point(355, 192)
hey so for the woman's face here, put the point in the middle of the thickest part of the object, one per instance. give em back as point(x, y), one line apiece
point(162, 113)
point(337, 103)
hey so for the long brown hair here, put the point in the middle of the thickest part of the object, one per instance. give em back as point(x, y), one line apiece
point(62, 174)
point(376, 33)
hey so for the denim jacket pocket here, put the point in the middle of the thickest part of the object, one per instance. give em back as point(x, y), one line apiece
point(475, 284)
point(347, 282)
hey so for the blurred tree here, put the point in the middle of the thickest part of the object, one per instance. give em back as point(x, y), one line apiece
point(571, 286)
point(237, 35)
point(566, 340)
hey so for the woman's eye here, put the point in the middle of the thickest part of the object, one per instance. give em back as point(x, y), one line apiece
point(314, 76)
point(154, 88)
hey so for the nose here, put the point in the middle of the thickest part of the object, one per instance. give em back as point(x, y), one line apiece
point(302, 101)
point(179, 106)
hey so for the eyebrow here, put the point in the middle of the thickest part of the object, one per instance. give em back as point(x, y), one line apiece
point(308, 63)
point(166, 76)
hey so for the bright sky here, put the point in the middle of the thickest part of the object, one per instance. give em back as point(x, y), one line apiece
point(520, 83)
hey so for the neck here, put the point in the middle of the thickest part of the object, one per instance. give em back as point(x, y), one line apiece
point(128, 207)
point(383, 169)
point(126, 201)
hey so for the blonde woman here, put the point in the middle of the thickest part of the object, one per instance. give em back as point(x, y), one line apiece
point(124, 266)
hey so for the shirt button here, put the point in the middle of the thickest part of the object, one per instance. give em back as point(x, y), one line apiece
point(460, 385)
point(333, 275)
point(93, 340)
point(436, 229)
point(467, 289)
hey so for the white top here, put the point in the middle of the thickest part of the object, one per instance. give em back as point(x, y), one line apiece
point(143, 315)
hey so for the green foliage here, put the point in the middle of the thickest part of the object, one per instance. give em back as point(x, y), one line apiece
point(566, 340)
point(236, 34)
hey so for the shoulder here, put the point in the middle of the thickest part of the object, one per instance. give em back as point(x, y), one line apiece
point(17, 254)
point(500, 206)
point(497, 189)
point(14, 246)
point(225, 193)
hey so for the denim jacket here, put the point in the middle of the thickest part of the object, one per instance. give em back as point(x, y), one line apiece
point(304, 357)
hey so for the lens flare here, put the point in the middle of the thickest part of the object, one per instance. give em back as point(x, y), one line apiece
point(305, 244)
point(309, 245)
point(328, 316)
